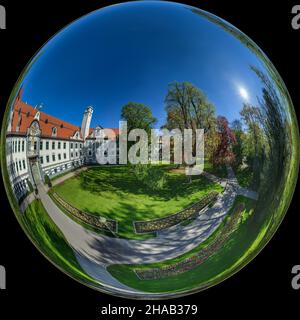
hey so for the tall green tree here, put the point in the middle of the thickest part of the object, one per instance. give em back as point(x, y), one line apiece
point(187, 107)
point(138, 116)
point(255, 140)
point(275, 125)
point(237, 148)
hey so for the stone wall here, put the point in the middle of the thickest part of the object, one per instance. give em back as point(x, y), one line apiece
point(197, 259)
point(94, 221)
point(188, 213)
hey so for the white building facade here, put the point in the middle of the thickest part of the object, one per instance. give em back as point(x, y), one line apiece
point(38, 144)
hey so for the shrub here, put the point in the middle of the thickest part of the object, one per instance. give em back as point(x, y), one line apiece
point(151, 176)
point(48, 181)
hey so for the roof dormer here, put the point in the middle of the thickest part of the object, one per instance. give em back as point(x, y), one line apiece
point(54, 132)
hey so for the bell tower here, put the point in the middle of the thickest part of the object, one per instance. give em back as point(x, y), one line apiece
point(86, 122)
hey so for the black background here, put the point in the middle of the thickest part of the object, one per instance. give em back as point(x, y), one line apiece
point(36, 289)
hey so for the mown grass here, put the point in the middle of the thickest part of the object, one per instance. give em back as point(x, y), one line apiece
point(50, 240)
point(114, 192)
point(100, 231)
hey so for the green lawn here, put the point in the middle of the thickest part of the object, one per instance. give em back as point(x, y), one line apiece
point(219, 265)
point(114, 192)
point(49, 239)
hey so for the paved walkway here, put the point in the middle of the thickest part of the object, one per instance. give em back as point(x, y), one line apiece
point(97, 271)
point(240, 190)
point(97, 251)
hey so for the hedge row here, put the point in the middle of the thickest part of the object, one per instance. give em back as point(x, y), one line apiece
point(97, 222)
point(169, 221)
point(200, 257)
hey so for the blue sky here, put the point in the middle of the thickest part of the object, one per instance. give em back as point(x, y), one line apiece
point(131, 52)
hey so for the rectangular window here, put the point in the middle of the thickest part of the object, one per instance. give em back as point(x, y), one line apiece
point(71, 154)
point(53, 157)
point(76, 145)
point(58, 144)
point(20, 165)
point(47, 145)
point(41, 160)
point(17, 166)
point(35, 145)
point(23, 146)
point(24, 165)
point(16, 146)
point(76, 154)
point(53, 145)
point(19, 146)
point(47, 159)
point(65, 145)
point(65, 156)
point(41, 145)
point(59, 156)
point(71, 145)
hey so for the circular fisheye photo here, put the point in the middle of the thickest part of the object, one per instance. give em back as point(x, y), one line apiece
point(150, 150)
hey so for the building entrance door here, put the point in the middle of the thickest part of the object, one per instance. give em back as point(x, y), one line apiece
point(35, 171)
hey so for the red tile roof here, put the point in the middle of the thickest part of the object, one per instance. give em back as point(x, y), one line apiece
point(23, 114)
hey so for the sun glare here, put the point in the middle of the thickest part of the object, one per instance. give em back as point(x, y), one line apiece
point(243, 93)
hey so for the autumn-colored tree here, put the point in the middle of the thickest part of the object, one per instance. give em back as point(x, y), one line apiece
point(224, 153)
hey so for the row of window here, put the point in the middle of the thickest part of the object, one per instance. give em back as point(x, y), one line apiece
point(18, 166)
point(47, 158)
point(60, 145)
point(20, 188)
point(64, 167)
point(18, 146)
point(75, 145)
point(59, 157)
